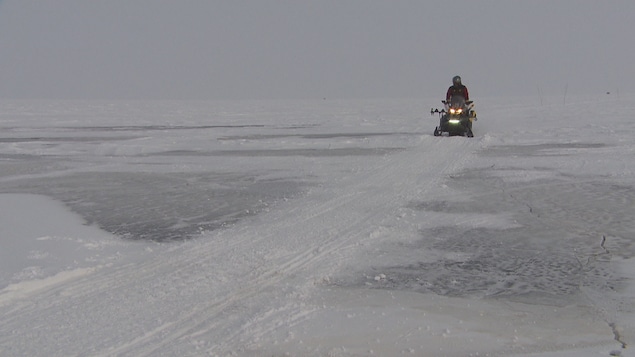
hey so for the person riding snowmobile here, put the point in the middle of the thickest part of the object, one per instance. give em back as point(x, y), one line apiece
point(457, 88)
point(457, 96)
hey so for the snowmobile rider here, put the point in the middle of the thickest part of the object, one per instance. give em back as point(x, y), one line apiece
point(457, 88)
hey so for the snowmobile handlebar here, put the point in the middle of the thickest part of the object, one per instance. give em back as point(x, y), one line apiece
point(468, 105)
point(467, 102)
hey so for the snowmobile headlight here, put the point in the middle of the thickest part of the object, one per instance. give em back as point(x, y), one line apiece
point(456, 111)
point(454, 121)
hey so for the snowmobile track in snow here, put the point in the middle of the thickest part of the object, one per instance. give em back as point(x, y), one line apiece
point(327, 225)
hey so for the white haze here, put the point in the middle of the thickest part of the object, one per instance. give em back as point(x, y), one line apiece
point(199, 49)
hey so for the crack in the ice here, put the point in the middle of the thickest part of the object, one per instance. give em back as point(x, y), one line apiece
point(531, 209)
point(593, 257)
point(617, 335)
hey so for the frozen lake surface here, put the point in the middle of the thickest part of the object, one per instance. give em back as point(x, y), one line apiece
point(315, 228)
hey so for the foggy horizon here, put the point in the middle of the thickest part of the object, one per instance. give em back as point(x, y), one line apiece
point(276, 49)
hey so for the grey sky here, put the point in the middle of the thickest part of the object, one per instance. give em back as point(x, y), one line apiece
point(253, 49)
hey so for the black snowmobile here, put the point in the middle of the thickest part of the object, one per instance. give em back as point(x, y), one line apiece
point(456, 117)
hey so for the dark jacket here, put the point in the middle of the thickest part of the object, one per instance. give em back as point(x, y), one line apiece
point(457, 90)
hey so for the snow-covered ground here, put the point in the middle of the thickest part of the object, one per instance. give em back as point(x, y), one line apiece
point(317, 228)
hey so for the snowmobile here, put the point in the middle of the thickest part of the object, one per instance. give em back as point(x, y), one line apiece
point(456, 117)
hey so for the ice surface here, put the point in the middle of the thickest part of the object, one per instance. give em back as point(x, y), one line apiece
point(313, 228)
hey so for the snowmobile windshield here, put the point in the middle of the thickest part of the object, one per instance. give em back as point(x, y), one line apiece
point(457, 101)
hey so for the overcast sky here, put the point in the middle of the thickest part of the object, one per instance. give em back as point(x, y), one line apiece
point(259, 49)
